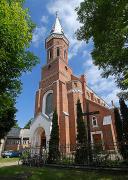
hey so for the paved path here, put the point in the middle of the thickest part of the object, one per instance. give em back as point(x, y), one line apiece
point(4, 164)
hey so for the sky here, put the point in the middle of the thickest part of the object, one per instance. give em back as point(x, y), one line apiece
point(42, 13)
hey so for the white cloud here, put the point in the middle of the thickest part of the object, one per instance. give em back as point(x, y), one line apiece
point(69, 21)
point(85, 53)
point(106, 88)
point(44, 19)
point(38, 35)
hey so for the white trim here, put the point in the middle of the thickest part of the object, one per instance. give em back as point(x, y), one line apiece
point(75, 90)
point(50, 84)
point(40, 122)
point(65, 113)
point(58, 37)
point(97, 132)
point(44, 101)
point(107, 120)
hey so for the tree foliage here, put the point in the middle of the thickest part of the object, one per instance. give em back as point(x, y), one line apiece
point(16, 30)
point(81, 155)
point(119, 131)
point(118, 125)
point(81, 131)
point(15, 36)
point(124, 114)
point(54, 152)
point(106, 23)
point(16, 125)
point(7, 116)
point(27, 125)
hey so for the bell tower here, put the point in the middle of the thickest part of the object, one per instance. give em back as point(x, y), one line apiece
point(56, 43)
point(52, 93)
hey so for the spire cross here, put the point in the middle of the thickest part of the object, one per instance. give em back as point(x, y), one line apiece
point(56, 13)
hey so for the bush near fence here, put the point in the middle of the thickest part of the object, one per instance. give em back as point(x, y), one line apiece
point(100, 156)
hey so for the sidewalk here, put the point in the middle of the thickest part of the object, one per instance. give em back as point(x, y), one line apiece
point(4, 164)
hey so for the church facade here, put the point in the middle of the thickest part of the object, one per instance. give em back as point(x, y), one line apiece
point(60, 89)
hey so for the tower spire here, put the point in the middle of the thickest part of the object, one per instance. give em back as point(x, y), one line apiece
point(57, 28)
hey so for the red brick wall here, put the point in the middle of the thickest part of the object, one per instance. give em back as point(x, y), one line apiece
point(57, 76)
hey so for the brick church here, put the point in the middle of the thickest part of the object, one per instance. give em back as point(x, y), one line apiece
point(60, 89)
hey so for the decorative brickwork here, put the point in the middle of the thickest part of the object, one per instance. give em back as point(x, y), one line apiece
point(56, 76)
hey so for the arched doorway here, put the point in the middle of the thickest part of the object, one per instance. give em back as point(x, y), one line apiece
point(40, 138)
point(40, 133)
point(43, 140)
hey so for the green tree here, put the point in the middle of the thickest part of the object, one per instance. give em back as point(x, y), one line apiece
point(81, 155)
point(27, 126)
point(54, 152)
point(7, 118)
point(16, 30)
point(118, 125)
point(124, 115)
point(16, 125)
point(119, 130)
point(106, 23)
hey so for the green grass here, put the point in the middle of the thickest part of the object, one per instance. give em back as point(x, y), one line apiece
point(58, 174)
point(4, 160)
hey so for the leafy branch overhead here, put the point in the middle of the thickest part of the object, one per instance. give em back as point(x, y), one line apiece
point(15, 35)
point(16, 30)
point(106, 23)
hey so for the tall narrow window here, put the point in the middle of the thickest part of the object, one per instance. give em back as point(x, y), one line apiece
point(49, 104)
point(65, 53)
point(49, 54)
point(58, 51)
point(94, 121)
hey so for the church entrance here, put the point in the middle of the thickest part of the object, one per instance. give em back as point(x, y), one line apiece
point(43, 140)
point(40, 138)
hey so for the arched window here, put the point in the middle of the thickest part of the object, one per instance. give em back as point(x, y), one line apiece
point(58, 51)
point(49, 104)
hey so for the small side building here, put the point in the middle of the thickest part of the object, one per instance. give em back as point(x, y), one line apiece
point(17, 139)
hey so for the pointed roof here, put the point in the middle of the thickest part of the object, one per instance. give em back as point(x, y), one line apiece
point(57, 31)
point(57, 28)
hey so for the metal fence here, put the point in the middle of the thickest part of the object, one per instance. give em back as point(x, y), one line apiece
point(109, 155)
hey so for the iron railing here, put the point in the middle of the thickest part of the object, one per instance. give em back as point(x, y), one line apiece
point(103, 155)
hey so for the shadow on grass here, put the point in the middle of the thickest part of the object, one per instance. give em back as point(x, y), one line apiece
point(20, 172)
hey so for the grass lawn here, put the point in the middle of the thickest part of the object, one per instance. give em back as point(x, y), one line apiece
point(4, 160)
point(14, 172)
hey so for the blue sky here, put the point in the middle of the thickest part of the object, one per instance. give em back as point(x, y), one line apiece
point(42, 13)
